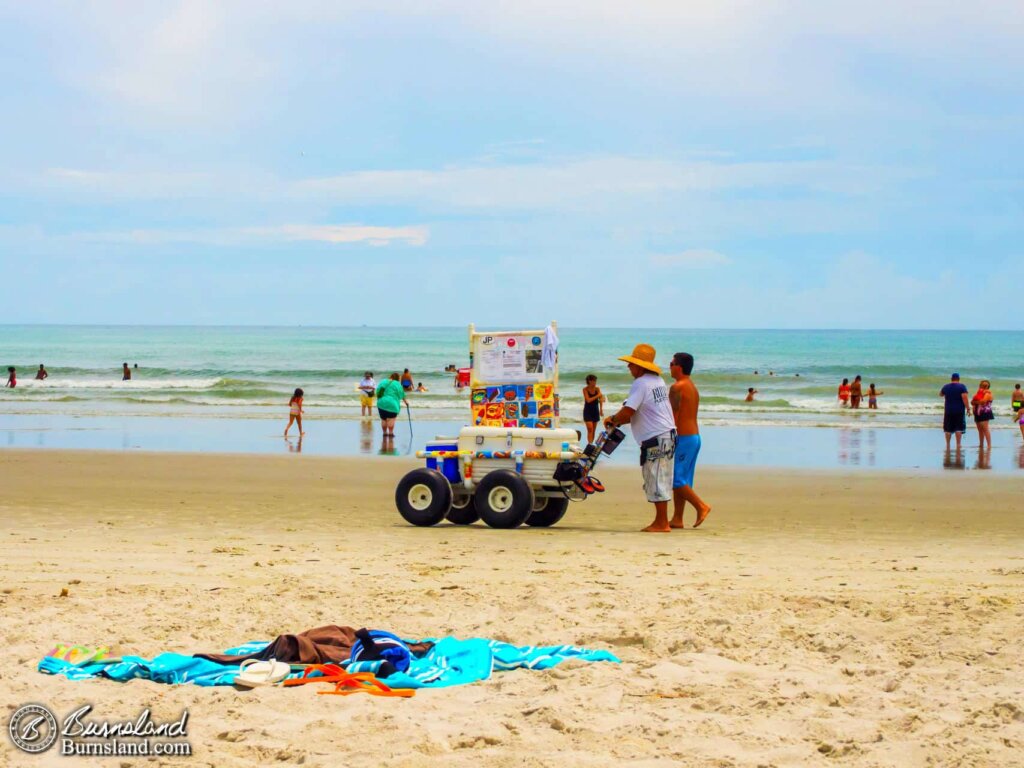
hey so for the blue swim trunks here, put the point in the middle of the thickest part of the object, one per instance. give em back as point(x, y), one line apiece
point(687, 448)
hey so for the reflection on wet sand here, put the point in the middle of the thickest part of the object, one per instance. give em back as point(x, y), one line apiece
point(365, 436)
point(984, 459)
point(953, 459)
point(857, 447)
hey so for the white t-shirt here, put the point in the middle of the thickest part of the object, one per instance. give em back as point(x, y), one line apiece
point(367, 386)
point(649, 398)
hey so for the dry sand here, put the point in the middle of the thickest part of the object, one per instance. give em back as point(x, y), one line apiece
point(816, 619)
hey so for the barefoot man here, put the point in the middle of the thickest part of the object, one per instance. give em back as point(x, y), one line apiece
point(649, 416)
point(685, 400)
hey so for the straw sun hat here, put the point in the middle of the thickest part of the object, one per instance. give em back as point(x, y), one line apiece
point(643, 355)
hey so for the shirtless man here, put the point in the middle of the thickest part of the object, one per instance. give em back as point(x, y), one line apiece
point(685, 400)
point(41, 374)
point(126, 372)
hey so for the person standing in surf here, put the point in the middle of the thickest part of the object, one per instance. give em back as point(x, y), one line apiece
point(844, 393)
point(856, 392)
point(367, 388)
point(954, 418)
point(981, 404)
point(41, 374)
point(126, 372)
point(295, 412)
point(12, 377)
point(390, 395)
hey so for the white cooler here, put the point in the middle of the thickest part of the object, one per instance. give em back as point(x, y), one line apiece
point(525, 441)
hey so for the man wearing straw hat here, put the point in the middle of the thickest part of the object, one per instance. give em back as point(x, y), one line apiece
point(649, 414)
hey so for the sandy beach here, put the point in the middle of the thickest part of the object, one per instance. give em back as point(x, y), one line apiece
point(817, 618)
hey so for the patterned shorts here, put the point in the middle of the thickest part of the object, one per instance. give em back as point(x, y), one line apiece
point(658, 462)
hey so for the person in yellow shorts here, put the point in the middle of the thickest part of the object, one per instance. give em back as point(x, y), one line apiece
point(367, 389)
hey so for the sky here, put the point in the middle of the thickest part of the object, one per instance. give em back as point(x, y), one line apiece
point(721, 164)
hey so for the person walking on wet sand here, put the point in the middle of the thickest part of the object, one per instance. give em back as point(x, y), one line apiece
point(685, 401)
point(649, 415)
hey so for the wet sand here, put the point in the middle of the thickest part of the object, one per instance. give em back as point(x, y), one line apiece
point(862, 618)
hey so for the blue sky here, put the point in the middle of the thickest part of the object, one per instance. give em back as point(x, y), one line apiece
point(718, 164)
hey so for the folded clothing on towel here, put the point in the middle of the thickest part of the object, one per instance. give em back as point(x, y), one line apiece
point(324, 645)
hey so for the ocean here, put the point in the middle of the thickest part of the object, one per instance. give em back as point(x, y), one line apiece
point(226, 390)
point(250, 372)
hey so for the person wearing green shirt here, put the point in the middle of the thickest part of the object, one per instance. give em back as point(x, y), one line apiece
point(389, 403)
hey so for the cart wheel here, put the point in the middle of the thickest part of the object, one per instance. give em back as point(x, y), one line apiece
point(503, 499)
point(549, 514)
point(423, 497)
point(463, 512)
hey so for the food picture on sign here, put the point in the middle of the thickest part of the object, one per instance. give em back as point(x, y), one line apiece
point(533, 357)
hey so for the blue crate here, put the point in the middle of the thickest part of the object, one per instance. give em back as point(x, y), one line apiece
point(448, 467)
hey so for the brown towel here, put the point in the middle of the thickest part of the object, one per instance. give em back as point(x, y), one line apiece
point(324, 645)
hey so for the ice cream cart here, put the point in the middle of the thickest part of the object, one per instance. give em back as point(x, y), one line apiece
point(513, 463)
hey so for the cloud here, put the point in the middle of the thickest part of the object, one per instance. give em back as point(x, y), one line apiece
point(696, 258)
point(578, 182)
point(573, 183)
point(338, 234)
point(346, 233)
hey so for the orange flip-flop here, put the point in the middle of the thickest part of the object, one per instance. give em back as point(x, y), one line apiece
point(346, 683)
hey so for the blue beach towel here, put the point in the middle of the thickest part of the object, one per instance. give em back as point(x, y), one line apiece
point(450, 662)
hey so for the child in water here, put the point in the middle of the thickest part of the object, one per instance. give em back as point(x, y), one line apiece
point(873, 395)
point(12, 378)
point(295, 412)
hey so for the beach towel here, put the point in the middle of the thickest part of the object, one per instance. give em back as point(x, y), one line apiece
point(449, 661)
